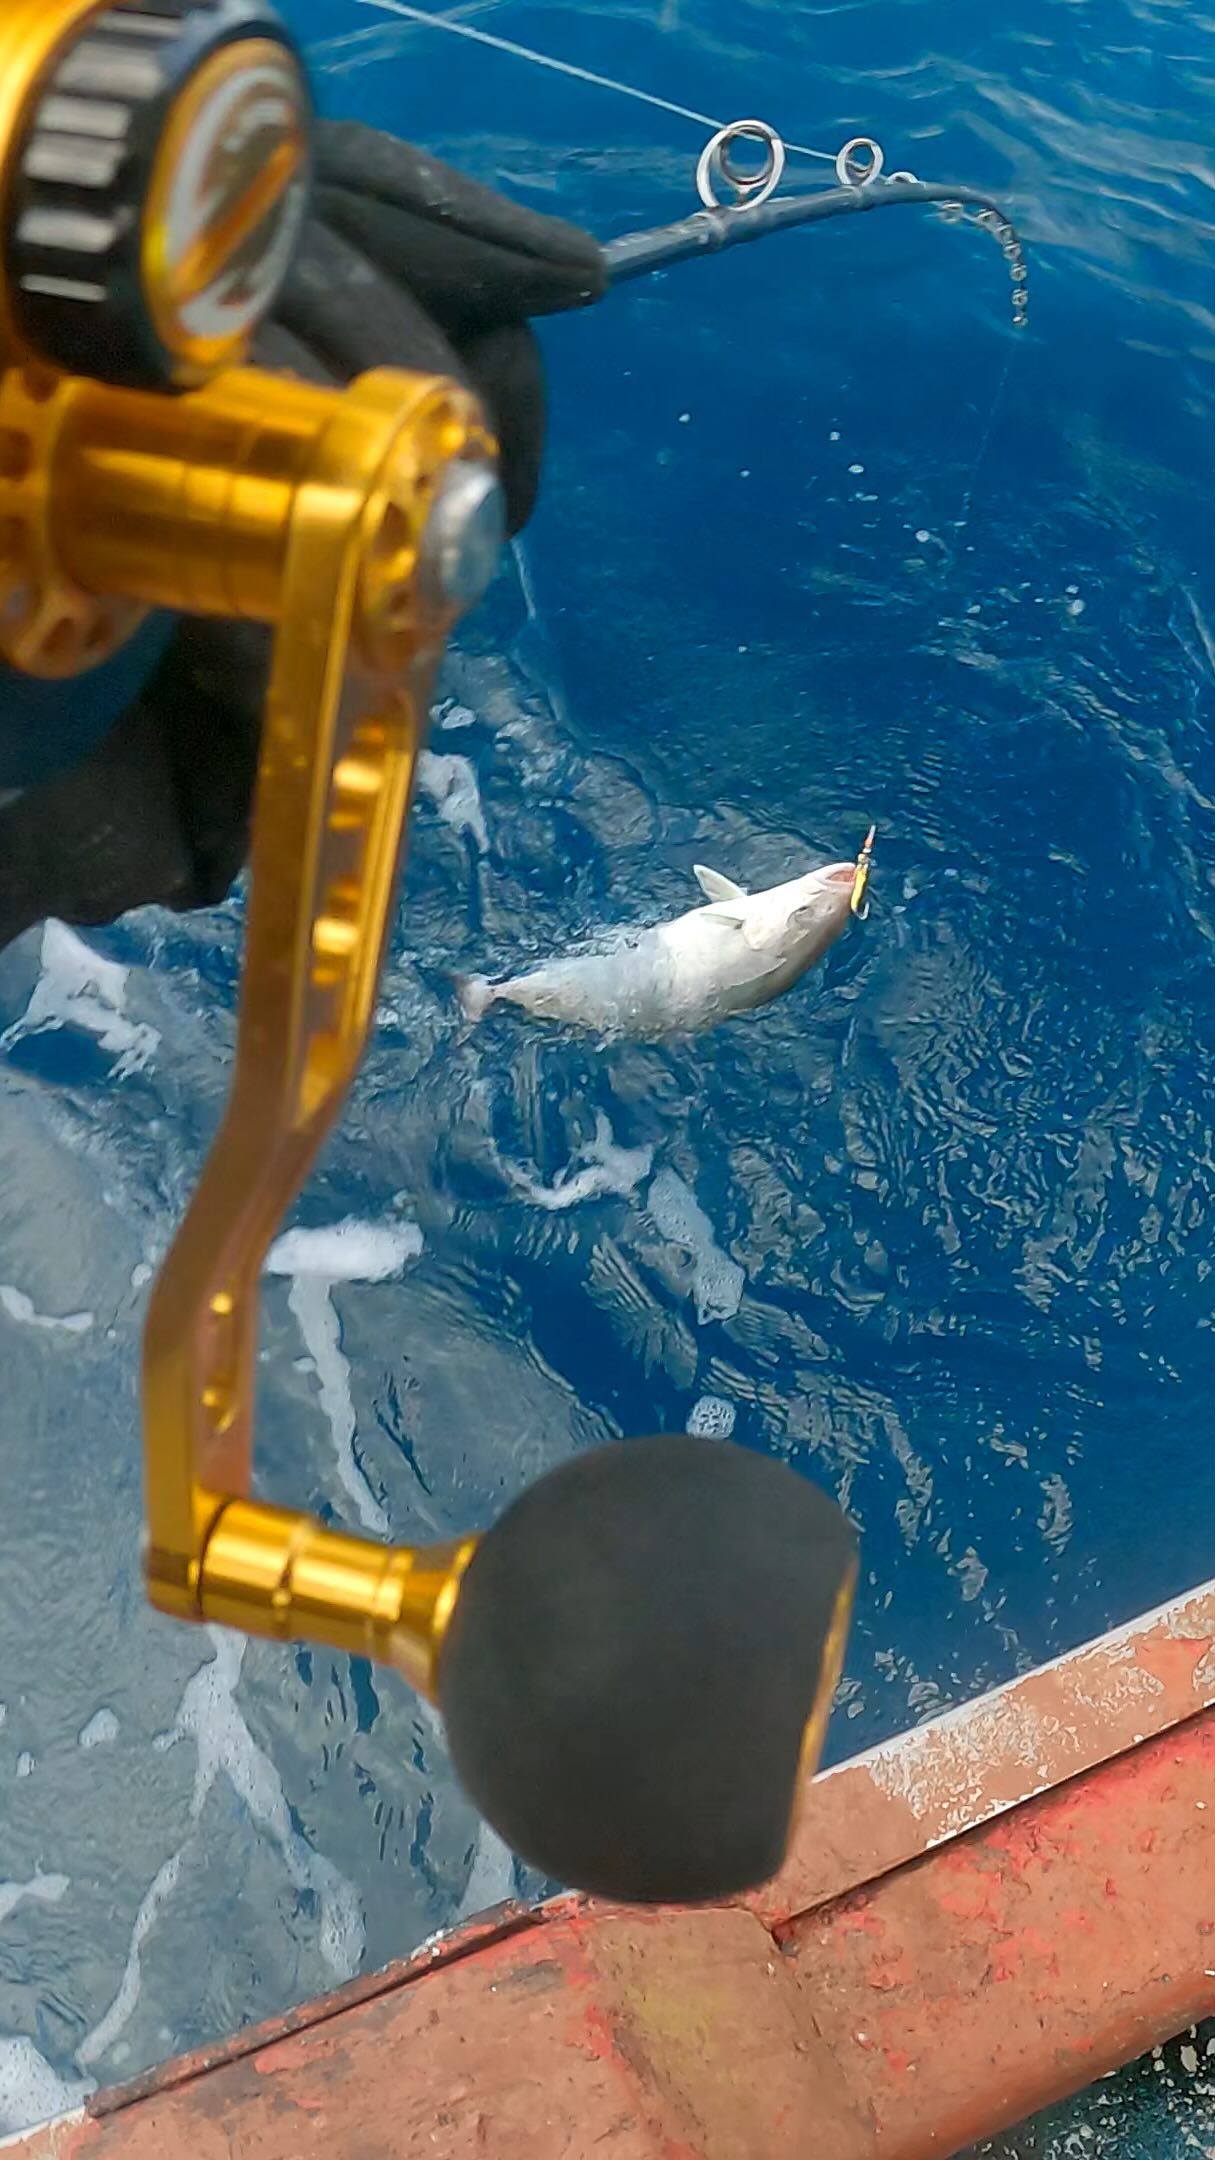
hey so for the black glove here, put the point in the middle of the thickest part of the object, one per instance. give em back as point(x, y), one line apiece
point(404, 263)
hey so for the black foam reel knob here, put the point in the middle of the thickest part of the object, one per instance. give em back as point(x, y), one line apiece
point(635, 1655)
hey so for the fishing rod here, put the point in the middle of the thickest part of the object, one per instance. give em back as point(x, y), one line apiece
point(758, 211)
point(858, 170)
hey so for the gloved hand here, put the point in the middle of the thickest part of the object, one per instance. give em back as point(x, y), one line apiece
point(404, 263)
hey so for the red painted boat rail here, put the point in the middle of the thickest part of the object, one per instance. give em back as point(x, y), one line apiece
point(974, 1920)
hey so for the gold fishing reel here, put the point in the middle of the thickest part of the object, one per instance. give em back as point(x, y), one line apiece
point(635, 1664)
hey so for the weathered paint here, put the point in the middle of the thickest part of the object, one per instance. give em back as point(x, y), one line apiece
point(597, 2033)
point(947, 1949)
point(1003, 1970)
point(475, 1935)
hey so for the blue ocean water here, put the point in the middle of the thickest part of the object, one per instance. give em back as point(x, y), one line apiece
point(823, 540)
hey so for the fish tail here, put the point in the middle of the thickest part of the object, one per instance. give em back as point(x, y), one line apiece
point(476, 995)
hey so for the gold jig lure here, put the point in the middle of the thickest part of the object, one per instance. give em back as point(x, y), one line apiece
point(860, 883)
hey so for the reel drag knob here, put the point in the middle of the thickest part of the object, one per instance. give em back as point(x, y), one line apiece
point(639, 1664)
point(155, 189)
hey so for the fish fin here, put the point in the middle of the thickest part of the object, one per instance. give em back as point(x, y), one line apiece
point(476, 994)
point(736, 912)
point(716, 887)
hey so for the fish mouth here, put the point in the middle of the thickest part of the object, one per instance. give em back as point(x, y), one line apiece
point(852, 878)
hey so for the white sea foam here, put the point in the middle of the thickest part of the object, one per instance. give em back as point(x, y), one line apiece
point(20, 1307)
point(451, 783)
point(456, 716)
point(314, 1309)
point(76, 988)
point(208, 1714)
point(712, 1417)
point(40, 1890)
point(717, 1281)
point(606, 1168)
point(349, 1251)
point(101, 1728)
point(103, 2035)
point(492, 1877)
point(315, 1259)
point(30, 2091)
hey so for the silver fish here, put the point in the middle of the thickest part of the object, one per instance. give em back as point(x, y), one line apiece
point(739, 951)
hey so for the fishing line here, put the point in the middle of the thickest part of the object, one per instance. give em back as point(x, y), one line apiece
point(752, 213)
point(347, 50)
point(755, 209)
point(564, 67)
point(963, 520)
